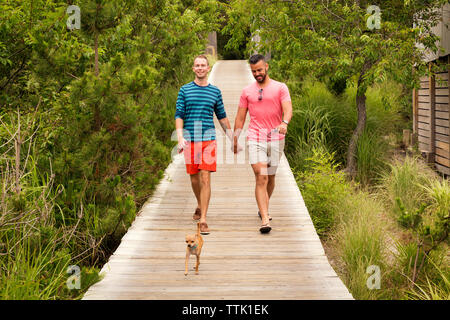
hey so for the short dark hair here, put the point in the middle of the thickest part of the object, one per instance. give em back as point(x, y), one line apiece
point(254, 59)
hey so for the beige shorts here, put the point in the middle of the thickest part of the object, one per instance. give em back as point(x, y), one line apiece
point(266, 152)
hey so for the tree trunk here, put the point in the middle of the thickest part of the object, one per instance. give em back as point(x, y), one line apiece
point(351, 168)
point(17, 145)
point(96, 69)
point(96, 53)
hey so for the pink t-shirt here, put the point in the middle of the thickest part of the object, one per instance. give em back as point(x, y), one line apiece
point(265, 114)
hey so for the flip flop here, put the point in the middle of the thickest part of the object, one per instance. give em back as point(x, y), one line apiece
point(265, 228)
point(204, 230)
point(197, 215)
point(259, 214)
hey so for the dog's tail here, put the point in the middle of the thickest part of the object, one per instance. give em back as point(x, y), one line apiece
point(198, 228)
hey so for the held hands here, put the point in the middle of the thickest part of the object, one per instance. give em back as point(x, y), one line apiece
point(182, 143)
point(236, 148)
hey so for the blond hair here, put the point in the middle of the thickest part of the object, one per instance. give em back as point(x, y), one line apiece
point(202, 56)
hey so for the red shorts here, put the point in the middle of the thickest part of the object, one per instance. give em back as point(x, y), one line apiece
point(200, 155)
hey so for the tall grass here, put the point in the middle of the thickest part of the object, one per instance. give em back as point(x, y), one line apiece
point(403, 180)
point(323, 120)
point(371, 157)
point(345, 217)
point(374, 227)
point(419, 201)
point(432, 289)
point(35, 249)
point(323, 189)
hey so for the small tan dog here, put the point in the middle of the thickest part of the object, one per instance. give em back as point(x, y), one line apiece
point(194, 246)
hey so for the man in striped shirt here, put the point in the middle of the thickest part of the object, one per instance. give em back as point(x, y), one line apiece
point(196, 104)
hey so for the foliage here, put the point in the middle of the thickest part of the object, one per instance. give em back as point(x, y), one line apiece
point(87, 117)
point(421, 205)
point(331, 41)
point(324, 120)
point(323, 189)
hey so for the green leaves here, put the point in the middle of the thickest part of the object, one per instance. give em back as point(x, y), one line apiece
point(409, 219)
point(104, 137)
point(309, 32)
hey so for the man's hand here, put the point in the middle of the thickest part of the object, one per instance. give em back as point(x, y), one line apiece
point(282, 128)
point(236, 148)
point(182, 143)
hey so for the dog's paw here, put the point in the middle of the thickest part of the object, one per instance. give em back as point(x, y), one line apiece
point(185, 273)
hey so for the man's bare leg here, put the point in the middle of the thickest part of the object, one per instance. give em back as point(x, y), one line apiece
point(205, 192)
point(195, 183)
point(270, 185)
point(261, 190)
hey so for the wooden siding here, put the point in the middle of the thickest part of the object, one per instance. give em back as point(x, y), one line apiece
point(432, 118)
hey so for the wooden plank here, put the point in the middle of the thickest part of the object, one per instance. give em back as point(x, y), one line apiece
point(442, 152)
point(424, 126)
point(448, 106)
point(424, 119)
point(424, 140)
point(442, 130)
point(441, 115)
point(442, 80)
point(442, 161)
point(424, 136)
point(423, 146)
point(442, 85)
point(443, 145)
point(424, 85)
point(432, 94)
point(441, 122)
point(424, 99)
point(424, 105)
point(442, 75)
point(442, 169)
point(441, 99)
point(424, 92)
point(442, 137)
point(424, 113)
point(442, 92)
point(415, 103)
point(442, 107)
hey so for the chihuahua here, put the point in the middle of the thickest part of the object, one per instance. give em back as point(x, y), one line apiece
point(194, 246)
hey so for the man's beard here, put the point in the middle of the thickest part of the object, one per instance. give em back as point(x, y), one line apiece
point(260, 80)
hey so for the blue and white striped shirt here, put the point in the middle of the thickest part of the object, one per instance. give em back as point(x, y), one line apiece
point(196, 105)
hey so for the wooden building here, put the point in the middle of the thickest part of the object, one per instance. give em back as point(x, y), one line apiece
point(431, 109)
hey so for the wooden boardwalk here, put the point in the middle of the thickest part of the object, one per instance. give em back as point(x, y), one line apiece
point(237, 262)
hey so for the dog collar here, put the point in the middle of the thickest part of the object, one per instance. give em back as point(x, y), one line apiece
point(194, 247)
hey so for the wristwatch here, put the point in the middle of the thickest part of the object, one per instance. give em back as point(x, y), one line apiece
point(285, 121)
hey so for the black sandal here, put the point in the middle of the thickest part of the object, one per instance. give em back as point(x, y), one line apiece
point(265, 228)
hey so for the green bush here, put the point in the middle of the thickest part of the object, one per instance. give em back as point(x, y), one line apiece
point(323, 189)
point(95, 141)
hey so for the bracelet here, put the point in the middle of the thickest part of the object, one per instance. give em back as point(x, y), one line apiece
point(287, 122)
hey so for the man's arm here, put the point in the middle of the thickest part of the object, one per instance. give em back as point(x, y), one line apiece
point(225, 124)
point(238, 125)
point(287, 116)
point(179, 123)
point(179, 119)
